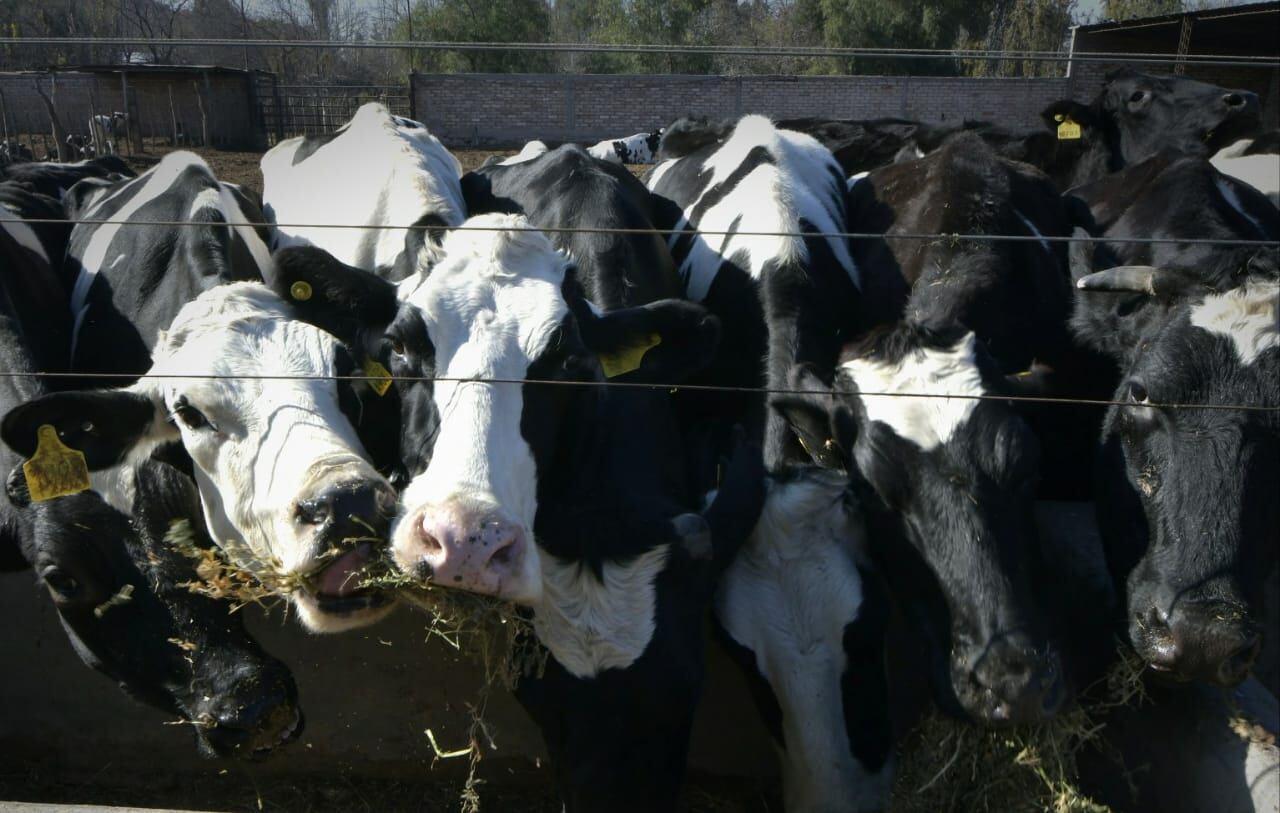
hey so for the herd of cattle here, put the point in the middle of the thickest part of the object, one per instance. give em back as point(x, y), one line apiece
point(809, 376)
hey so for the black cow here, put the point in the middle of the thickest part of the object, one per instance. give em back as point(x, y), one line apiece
point(622, 568)
point(174, 650)
point(948, 484)
point(55, 180)
point(746, 189)
point(1134, 117)
point(1186, 499)
point(863, 145)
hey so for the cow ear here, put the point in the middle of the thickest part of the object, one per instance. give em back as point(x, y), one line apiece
point(107, 427)
point(330, 294)
point(663, 342)
point(1058, 112)
point(824, 427)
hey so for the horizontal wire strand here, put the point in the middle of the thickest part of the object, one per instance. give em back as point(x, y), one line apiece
point(632, 385)
point(638, 48)
point(673, 232)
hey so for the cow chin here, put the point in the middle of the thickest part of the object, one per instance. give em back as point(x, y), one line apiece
point(316, 617)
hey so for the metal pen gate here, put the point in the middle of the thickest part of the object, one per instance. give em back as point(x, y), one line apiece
point(289, 110)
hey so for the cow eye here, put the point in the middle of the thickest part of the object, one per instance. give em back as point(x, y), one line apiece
point(397, 346)
point(191, 417)
point(1138, 394)
point(1137, 96)
point(60, 583)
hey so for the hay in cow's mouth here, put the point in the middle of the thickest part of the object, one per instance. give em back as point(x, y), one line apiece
point(947, 764)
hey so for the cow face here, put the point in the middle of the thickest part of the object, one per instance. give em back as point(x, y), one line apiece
point(1189, 508)
point(175, 650)
point(249, 392)
point(502, 308)
point(955, 480)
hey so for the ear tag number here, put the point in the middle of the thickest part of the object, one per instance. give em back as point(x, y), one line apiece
point(628, 358)
point(54, 470)
point(1068, 130)
point(379, 376)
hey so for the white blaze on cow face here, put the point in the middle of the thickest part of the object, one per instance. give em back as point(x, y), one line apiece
point(1249, 316)
point(374, 172)
point(787, 596)
point(263, 426)
point(930, 421)
point(491, 308)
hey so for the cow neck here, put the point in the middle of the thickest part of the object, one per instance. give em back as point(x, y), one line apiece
point(611, 500)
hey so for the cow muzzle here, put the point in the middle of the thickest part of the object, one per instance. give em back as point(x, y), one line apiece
point(466, 546)
point(252, 718)
point(1010, 682)
point(1212, 642)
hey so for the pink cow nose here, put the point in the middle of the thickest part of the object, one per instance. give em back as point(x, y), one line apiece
point(468, 551)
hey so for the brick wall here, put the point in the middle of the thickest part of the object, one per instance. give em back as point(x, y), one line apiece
point(510, 109)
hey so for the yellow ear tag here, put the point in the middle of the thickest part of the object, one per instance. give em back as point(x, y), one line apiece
point(54, 470)
point(1068, 130)
point(379, 376)
point(628, 358)
point(300, 290)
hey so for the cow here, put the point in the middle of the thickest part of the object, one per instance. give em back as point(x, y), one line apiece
point(947, 485)
point(398, 184)
point(54, 179)
point(1256, 161)
point(15, 152)
point(567, 188)
point(757, 214)
point(177, 651)
point(105, 129)
point(251, 395)
point(804, 615)
point(864, 145)
point(623, 564)
point(1189, 465)
point(529, 151)
point(1134, 117)
point(128, 276)
point(641, 148)
point(1180, 505)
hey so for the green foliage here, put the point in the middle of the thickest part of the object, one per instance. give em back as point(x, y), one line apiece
point(480, 21)
point(1130, 9)
point(1023, 25)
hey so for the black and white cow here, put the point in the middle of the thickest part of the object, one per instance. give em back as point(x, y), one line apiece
point(241, 701)
point(251, 395)
point(1187, 507)
point(397, 181)
point(804, 615)
point(1256, 161)
point(536, 486)
point(641, 148)
point(53, 179)
point(948, 484)
point(567, 188)
point(861, 146)
point(105, 129)
point(1181, 506)
point(745, 190)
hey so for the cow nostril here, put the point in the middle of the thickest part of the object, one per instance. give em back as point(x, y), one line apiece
point(1235, 667)
point(1233, 100)
point(314, 512)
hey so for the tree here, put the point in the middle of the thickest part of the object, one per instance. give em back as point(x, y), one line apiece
point(1131, 9)
point(1024, 25)
point(482, 21)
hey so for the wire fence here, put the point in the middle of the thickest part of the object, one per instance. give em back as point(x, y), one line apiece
point(634, 385)
point(639, 48)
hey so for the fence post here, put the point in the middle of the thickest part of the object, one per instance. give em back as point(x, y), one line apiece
point(205, 104)
point(132, 124)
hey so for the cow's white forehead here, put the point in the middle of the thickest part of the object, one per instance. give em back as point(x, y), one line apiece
point(496, 297)
point(929, 421)
point(1249, 316)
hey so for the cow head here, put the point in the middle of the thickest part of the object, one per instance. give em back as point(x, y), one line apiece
point(178, 651)
point(250, 393)
point(948, 485)
point(1188, 506)
point(501, 308)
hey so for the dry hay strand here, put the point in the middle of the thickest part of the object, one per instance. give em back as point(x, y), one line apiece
point(949, 765)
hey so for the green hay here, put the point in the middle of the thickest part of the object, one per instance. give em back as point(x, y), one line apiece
point(948, 765)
